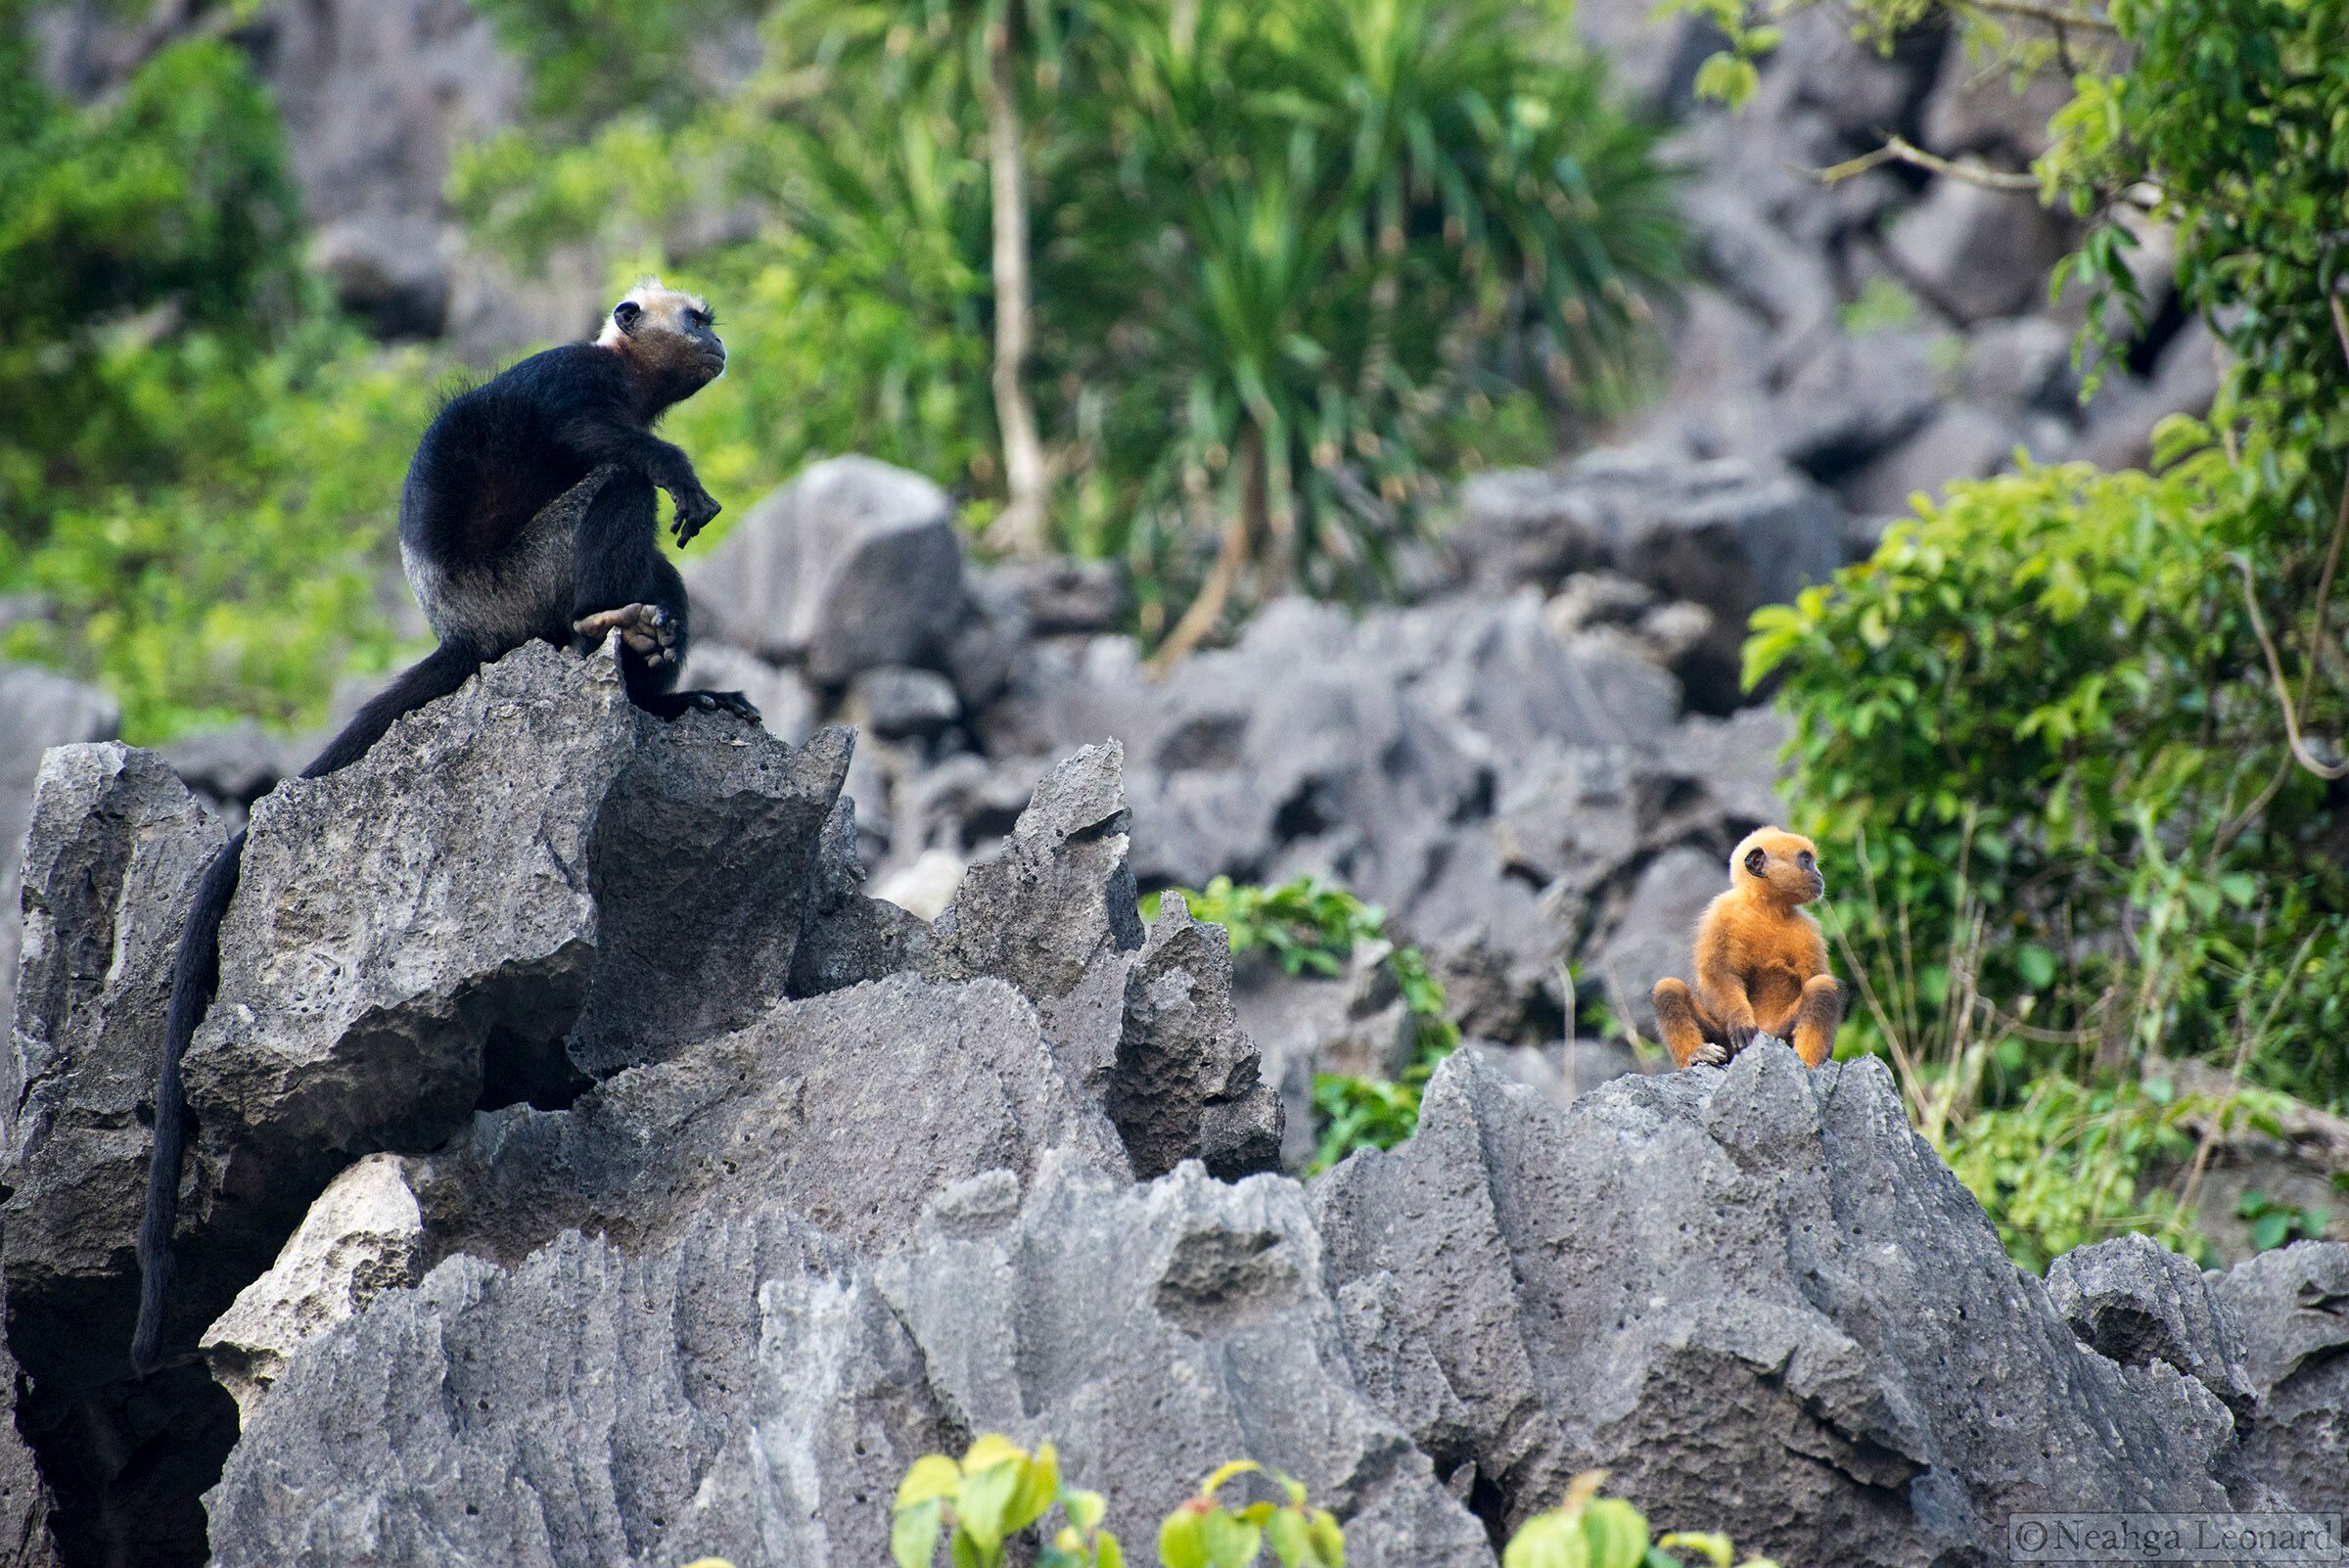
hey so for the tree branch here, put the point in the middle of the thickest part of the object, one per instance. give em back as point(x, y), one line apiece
point(1900, 150)
point(2284, 689)
point(2055, 15)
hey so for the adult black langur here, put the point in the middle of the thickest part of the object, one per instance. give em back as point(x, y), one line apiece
point(496, 565)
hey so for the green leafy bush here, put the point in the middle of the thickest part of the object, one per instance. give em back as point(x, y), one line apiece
point(998, 1490)
point(2277, 1225)
point(199, 465)
point(1203, 1533)
point(1590, 1531)
point(981, 1502)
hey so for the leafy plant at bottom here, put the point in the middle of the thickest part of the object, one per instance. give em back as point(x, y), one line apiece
point(998, 1489)
point(1588, 1531)
point(1202, 1533)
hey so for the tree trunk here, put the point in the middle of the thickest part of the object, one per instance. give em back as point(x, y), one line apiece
point(1020, 527)
point(1240, 532)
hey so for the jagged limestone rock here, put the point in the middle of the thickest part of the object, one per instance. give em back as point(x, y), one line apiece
point(362, 1238)
point(1756, 1297)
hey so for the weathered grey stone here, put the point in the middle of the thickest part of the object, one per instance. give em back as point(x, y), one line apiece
point(1758, 1271)
point(1059, 897)
point(389, 270)
point(2291, 1307)
point(1654, 935)
point(739, 1391)
point(1854, 399)
point(1961, 441)
point(2021, 362)
point(1184, 1085)
point(1978, 252)
point(853, 566)
point(848, 1110)
point(702, 855)
point(1151, 1332)
point(38, 709)
point(25, 1501)
point(231, 769)
point(787, 705)
point(406, 942)
point(2134, 1301)
point(1730, 536)
point(901, 704)
point(845, 936)
point(362, 1238)
point(1977, 104)
point(116, 847)
point(1061, 595)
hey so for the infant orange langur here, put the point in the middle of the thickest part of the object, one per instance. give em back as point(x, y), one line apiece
point(1760, 963)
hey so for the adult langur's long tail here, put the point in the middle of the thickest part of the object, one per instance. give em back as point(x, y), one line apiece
point(196, 974)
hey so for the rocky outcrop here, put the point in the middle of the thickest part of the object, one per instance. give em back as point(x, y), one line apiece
point(873, 1183)
point(41, 710)
point(2291, 1311)
point(1758, 1269)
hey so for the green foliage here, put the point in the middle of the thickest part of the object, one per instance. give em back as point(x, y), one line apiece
point(996, 1490)
point(1203, 1533)
point(1309, 927)
point(2276, 1224)
point(199, 465)
point(1305, 924)
point(1286, 255)
point(2065, 1167)
point(1588, 1531)
point(592, 59)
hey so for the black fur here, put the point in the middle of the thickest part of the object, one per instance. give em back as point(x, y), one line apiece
point(493, 568)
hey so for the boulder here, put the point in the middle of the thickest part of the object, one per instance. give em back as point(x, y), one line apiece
point(742, 1390)
point(1154, 1331)
point(1978, 252)
point(24, 1501)
point(362, 1238)
point(853, 566)
point(903, 704)
point(231, 769)
point(1056, 902)
point(1186, 1085)
point(115, 848)
point(1730, 536)
point(1961, 441)
point(115, 851)
point(41, 710)
point(950, 1079)
point(1759, 1272)
point(1854, 398)
point(465, 952)
point(2291, 1309)
point(2135, 1302)
point(1653, 937)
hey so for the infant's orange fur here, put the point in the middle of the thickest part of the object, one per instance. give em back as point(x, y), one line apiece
point(1760, 963)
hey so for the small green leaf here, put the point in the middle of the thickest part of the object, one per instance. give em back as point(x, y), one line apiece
point(1180, 1542)
point(985, 1503)
point(933, 1475)
point(1617, 1533)
point(913, 1534)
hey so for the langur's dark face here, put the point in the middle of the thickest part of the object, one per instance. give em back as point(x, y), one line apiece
point(671, 336)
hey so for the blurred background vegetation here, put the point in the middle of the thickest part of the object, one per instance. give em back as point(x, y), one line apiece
point(1225, 289)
